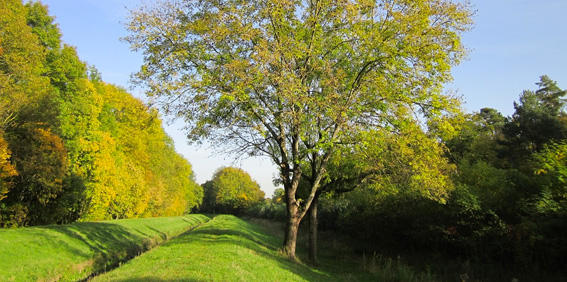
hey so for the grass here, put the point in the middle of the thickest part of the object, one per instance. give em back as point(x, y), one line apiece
point(230, 249)
point(225, 248)
point(76, 251)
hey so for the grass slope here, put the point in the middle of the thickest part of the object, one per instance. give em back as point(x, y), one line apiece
point(75, 251)
point(228, 249)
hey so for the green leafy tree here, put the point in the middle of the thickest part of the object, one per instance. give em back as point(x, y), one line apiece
point(67, 76)
point(543, 209)
point(130, 163)
point(41, 161)
point(539, 118)
point(478, 151)
point(278, 195)
point(551, 167)
point(21, 65)
point(233, 190)
point(292, 79)
point(508, 185)
point(42, 25)
point(480, 138)
point(270, 208)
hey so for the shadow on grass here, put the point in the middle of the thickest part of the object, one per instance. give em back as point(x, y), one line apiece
point(108, 244)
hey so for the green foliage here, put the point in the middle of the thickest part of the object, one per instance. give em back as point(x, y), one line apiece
point(73, 148)
point(511, 199)
point(539, 118)
point(268, 209)
point(392, 178)
point(76, 251)
point(480, 138)
point(22, 86)
point(271, 208)
point(551, 166)
point(410, 160)
point(41, 161)
point(231, 190)
point(507, 189)
point(43, 26)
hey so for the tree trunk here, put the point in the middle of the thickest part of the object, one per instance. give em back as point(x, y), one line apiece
point(313, 225)
point(296, 210)
point(292, 226)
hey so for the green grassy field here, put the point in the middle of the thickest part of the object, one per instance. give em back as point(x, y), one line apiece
point(224, 248)
point(73, 252)
point(229, 249)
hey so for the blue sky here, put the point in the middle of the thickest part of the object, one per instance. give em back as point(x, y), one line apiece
point(513, 43)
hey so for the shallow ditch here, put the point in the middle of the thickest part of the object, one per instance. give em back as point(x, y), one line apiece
point(117, 259)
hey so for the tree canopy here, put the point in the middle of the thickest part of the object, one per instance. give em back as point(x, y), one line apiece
point(294, 80)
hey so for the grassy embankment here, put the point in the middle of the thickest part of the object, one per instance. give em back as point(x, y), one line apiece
point(231, 249)
point(76, 251)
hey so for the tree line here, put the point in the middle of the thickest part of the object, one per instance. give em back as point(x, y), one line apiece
point(73, 147)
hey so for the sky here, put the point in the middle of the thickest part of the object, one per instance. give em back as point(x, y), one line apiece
point(512, 44)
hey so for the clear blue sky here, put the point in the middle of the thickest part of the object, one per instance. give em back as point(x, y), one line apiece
point(513, 43)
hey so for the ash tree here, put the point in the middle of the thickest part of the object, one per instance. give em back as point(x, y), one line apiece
point(297, 80)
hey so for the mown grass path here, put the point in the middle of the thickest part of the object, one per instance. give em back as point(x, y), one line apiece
point(225, 249)
point(76, 251)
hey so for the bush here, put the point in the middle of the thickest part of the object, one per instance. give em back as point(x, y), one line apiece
point(267, 209)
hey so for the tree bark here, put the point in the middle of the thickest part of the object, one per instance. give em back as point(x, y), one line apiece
point(292, 227)
point(313, 225)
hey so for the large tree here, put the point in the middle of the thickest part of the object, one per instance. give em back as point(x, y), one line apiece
point(296, 80)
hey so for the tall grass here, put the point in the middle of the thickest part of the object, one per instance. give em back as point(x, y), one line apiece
point(76, 251)
point(389, 269)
